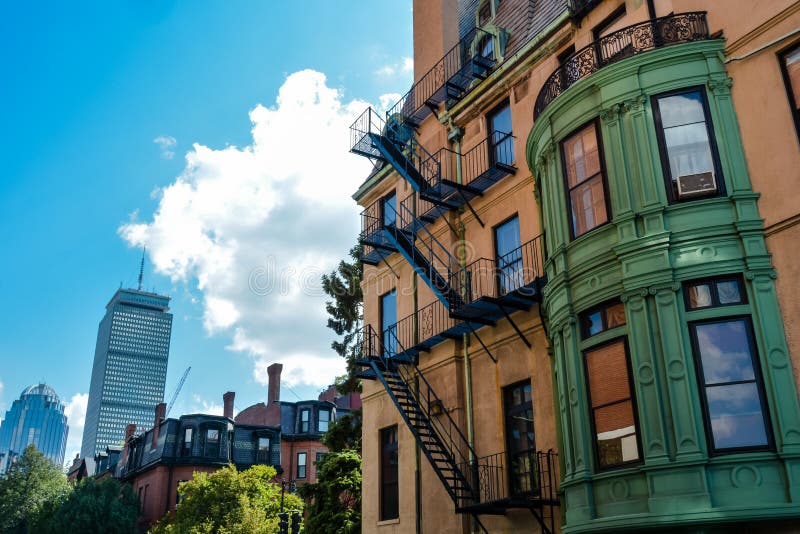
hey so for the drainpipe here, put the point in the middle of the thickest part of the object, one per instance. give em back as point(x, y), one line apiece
point(651, 8)
point(455, 136)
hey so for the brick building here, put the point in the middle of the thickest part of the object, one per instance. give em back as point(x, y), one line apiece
point(580, 284)
point(301, 423)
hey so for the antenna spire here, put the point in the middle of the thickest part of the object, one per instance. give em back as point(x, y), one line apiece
point(141, 268)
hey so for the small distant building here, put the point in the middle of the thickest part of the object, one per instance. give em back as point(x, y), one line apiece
point(36, 418)
point(81, 468)
point(302, 424)
point(173, 450)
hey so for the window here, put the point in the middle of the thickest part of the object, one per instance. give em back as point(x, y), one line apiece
point(687, 147)
point(305, 416)
point(486, 47)
point(731, 387)
point(615, 21)
point(585, 180)
point(324, 420)
point(389, 323)
point(301, 465)
point(564, 55)
point(509, 256)
point(790, 66)
point(604, 317)
point(320, 456)
point(519, 438)
point(263, 456)
point(611, 403)
point(714, 293)
point(389, 497)
point(389, 209)
point(212, 442)
point(501, 141)
point(186, 450)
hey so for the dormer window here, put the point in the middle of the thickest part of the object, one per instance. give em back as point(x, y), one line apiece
point(186, 449)
point(324, 420)
point(263, 456)
point(212, 438)
point(305, 418)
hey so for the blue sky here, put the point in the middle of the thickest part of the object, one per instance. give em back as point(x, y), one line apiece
point(243, 201)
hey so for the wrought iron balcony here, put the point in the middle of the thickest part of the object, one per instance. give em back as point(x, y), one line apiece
point(491, 288)
point(471, 58)
point(622, 44)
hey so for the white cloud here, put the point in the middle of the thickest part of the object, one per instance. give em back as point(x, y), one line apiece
point(403, 67)
point(167, 145)
point(388, 100)
point(255, 227)
point(202, 406)
point(75, 410)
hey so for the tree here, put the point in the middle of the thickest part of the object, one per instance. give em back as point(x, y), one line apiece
point(229, 501)
point(30, 483)
point(336, 497)
point(94, 507)
point(344, 286)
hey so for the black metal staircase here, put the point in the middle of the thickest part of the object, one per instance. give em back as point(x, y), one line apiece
point(476, 485)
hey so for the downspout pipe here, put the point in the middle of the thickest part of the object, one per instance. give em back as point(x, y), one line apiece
point(455, 136)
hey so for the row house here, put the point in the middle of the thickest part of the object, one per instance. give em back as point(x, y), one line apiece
point(580, 294)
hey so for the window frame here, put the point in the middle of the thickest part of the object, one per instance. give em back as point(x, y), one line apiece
point(634, 404)
point(320, 411)
point(603, 175)
point(719, 177)
point(187, 451)
point(618, 13)
point(508, 413)
point(381, 317)
point(601, 307)
point(396, 482)
point(493, 145)
point(758, 378)
point(384, 198)
point(307, 428)
point(787, 82)
point(304, 465)
point(497, 256)
point(712, 281)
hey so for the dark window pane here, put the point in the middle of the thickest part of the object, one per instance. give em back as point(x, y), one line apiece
point(520, 442)
point(792, 66)
point(502, 150)
point(699, 296)
point(509, 255)
point(389, 496)
point(736, 415)
point(388, 322)
point(725, 351)
point(729, 292)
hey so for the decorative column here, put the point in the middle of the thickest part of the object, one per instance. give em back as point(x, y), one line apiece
point(617, 173)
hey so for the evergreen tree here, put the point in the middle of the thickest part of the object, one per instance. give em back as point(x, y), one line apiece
point(344, 286)
point(32, 484)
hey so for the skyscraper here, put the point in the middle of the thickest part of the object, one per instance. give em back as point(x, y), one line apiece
point(130, 367)
point(36, 418)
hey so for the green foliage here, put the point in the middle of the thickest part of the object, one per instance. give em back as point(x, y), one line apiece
point(344, 433)
point(344, 286)
point(94, 507)
point(32, 484)
point(336, 497)
point(229, 502)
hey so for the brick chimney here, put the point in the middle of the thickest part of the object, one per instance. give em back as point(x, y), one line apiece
point(274, 387)
point(161, 414)
point(227, 403)
point(130, 430)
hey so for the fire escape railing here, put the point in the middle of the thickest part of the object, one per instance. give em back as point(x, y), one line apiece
point(515, 272)
point(627, 42)
point(449, 78)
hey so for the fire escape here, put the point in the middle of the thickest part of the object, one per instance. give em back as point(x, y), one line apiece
point(469, 296)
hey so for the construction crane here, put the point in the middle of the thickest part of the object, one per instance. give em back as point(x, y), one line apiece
point(178, 389)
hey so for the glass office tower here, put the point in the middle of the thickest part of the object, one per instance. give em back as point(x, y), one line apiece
point(36, 418)
point(130, 368)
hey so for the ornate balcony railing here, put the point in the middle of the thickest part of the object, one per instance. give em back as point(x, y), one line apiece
point(448, 78)
point(630, 41)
